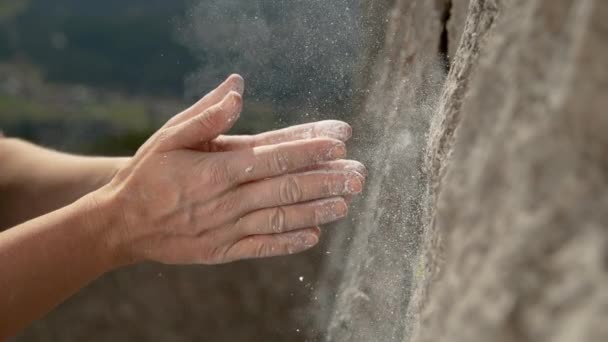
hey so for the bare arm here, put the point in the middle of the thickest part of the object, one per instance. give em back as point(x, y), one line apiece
point(45, 260)
point(189, 196)
point(35, 180)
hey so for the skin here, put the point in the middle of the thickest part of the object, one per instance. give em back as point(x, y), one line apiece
point(190, 195)
point(35, 181)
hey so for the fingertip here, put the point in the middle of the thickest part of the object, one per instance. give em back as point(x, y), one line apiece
point(232, 97)
point(311, 238)
point(354, 184)
point(337, 150)
point(341, 207)
point(307, 238)
point(235, 76)
point(358, 167)
point(349, 131)
point(335, 129)
point(363, 170)
point(344, 129)
point(236, 97)
point(237, 83)
point(232, 104)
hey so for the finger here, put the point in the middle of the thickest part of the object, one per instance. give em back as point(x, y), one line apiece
point(184, 250)
point(324, 129)
point(297, 188)
point(205, 126)
point(288, 218)
point(274, 160)
point(338, 165)
point(263, 246)
point(233, 83)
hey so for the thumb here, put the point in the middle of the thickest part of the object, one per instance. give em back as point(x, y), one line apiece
point(205, 126)
point(234, 82)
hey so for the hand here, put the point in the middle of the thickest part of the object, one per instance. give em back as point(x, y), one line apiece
point(190, 195)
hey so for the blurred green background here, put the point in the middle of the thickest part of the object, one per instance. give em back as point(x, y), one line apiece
point(100, 76)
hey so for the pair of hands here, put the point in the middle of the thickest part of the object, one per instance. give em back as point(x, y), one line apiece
point(191, 195)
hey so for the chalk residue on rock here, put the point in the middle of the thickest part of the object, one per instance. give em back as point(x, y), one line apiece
point(513, 207)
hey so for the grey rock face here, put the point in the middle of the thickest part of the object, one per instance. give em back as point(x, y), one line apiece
point(514, 218)
point(520, 220)
point(376, 282)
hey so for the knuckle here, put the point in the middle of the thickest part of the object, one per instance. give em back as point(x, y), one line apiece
point(277, 220)
point(206, 120)
point(211, 256)
point(262, 250)
point(290, 191)
point(226, 204)
point(237, 100)
point(159, 139)
point(327, 187)
point(225, 254)
point(280, 161)
point(318, 215)
point(162, 135)
point(185, 222)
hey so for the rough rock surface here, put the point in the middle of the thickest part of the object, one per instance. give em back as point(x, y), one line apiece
point(519, 238)
point(402, 97)
point(513, 222)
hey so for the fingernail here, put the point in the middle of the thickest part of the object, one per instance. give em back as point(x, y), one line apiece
point(363, 171)
point(335, 129)
point(331, 210)
point(309, 240)
point(338, 151)
point(354, 185)
point(338, 130)
point(227, 102)
point(238, 86)
point(343, 131)
point(348, 131)
point(357, 167)
point(340, 209)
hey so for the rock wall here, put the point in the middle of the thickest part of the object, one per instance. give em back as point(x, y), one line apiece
point(509, 235)
point(404, 89)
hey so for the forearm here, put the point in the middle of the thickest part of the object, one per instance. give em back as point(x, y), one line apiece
point(35, 181)
point(47, 259)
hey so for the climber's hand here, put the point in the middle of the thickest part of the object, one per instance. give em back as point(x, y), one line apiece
point(190, 195)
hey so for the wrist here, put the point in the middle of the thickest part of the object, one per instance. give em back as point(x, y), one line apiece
point(112, 166)
point(104, 221)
